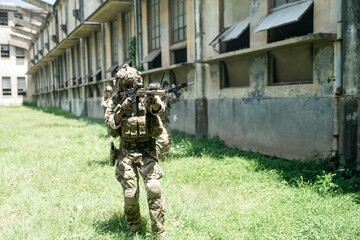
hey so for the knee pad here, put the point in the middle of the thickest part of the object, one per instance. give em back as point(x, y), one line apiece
point(153, 189)
point(130, 196)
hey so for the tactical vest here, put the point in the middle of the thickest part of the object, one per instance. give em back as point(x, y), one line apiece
point(142, 127)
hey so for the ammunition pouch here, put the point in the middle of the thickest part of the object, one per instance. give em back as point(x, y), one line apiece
point(134, 127)
point(138, 145)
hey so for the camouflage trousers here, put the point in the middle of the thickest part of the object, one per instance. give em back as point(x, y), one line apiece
point(164, 141)
point(127, 173)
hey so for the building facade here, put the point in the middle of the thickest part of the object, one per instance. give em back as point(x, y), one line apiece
point(15, 42)
point(267, 74)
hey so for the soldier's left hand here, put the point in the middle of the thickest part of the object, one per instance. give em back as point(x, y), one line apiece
point(150, 100)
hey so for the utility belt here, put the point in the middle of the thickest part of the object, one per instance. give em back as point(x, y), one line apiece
point(137, 145)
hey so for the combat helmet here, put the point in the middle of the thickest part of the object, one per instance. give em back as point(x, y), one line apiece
point(127, 77)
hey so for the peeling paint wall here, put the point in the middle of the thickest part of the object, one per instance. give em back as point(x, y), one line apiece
point(350, 102)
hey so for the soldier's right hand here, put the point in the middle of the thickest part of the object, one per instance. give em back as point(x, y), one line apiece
point(127, 105)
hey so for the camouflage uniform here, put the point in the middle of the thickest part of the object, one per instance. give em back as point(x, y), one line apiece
point(165, 139)
point(108, 92)
point(137, 154)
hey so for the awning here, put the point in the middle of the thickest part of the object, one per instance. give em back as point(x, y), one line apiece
point(152, 55)
point(77, 79)
point(231, 33)
point(96, 73)
point(126, 62)
point(112, 68)
point(284, 16)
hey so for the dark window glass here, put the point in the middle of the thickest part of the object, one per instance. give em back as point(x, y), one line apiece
point(178, 20)
point(6, 86)
point(20, 52)
point(98, 49)
point(127, 34)
point(300, 28)
point(179, 56)
point(3, 18)
point(5, 50)
point(21, 84)
point(89, 57)
point(154, 23)
point(18, 15)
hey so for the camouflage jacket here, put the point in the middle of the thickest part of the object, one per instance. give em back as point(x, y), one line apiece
point(169, 99)
point(141, 128)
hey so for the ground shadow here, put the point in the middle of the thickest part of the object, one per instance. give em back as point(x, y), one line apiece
point(312, 171)
point(116, 225)
point(101, 163)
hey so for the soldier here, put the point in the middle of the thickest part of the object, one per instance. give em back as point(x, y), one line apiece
point(165, 139)
point(107, 95)
point(137, 151)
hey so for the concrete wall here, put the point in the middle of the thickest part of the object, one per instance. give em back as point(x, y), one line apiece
point(350, 102)
point(89, 7)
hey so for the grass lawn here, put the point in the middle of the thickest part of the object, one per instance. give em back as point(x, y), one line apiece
point(56, 184)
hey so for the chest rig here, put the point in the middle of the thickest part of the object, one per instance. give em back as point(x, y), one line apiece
point(140, 128)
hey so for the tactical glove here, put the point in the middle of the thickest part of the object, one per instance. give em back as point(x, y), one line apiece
point(126, 106)
point(150, 100)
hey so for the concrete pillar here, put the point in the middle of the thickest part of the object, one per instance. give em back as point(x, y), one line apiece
point(349, 132)
point(200, 99)
point(83, 76)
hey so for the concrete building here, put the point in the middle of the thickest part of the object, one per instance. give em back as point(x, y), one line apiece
point(15, 40)
point(267, 73)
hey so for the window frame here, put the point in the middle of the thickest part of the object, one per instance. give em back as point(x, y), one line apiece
point(176, 19)
point(4, 20)
point(271, 64)
point(21, 91)
point(20, 52)
point(5, 53)
point(154, 24)
point(6, 91)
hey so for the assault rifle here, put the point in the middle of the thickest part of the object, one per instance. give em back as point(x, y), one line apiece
point(138, 91)
point(177, 88)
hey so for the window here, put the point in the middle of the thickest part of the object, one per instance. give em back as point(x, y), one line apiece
point(20, 52)
point(21, 85)
point(179, 56)
point(18, 15)
point(89, 57)
point(277, 3)
point(3, 18)
point(5, 50)
point(98, 49)
point(127, 34)
point(178, 20)
point(6, 86)
point(294, 20)
point(235, 72)
point(154, 23)
point(303, 27)
point(154, 57)
point(114, 42)
point(291, 65)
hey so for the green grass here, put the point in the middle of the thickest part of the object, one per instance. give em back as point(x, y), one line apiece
point(56, 184)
